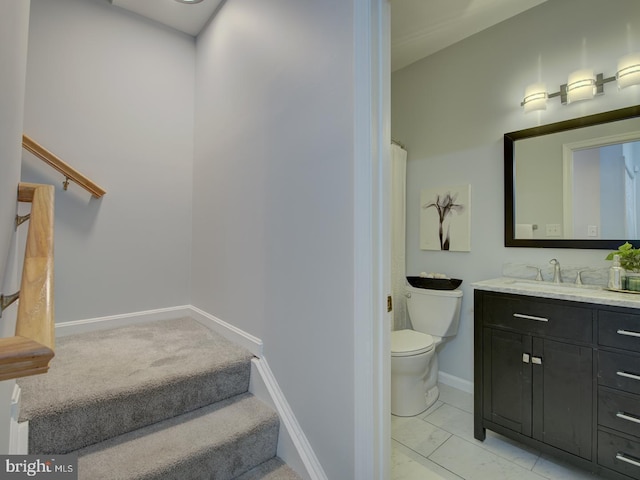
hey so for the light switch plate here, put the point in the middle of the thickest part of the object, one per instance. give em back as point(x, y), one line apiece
point(553, 230)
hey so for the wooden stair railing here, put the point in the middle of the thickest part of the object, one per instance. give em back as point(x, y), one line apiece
point(65, 169)
point(32, 348)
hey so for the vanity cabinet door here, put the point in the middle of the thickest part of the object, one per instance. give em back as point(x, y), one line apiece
point(507, 380)
point(537, 374)
point(540, 388)
point(562, 388)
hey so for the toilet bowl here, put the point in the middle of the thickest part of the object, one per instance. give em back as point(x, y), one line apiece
point(411, 356)
point(435, 316)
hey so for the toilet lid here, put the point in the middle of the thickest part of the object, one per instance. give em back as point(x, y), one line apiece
point(409, 342)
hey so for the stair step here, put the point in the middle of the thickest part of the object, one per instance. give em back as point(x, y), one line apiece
point(220, 441)
point(105, 383)
point(273, 469)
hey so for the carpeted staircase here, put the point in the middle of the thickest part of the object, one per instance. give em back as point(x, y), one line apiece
point(162, 400)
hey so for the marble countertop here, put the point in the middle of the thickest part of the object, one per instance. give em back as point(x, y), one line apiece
point(563, 291)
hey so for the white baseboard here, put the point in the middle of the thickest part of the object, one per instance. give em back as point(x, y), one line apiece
point(18, 432)
point(19, 440)
point(293, 446)
point(230, 332)
point(115, 321)
point(455, 382)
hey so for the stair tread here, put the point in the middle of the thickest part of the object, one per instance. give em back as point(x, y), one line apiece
point(131, 358)
point(105, 383)
point(272, 469)
point(230, 438)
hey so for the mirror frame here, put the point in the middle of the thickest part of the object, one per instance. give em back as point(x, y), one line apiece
point(509, 180)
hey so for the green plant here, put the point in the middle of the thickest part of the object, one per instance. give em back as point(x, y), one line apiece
point(629, 257)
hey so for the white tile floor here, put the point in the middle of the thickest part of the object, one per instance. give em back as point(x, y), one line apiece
point(439, 445)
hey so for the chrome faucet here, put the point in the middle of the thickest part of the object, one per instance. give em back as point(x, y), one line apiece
point(538, 273)
point(557, 276)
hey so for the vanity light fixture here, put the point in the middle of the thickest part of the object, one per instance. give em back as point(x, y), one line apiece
point(628, 70)
point(535, 97)
point(583, 85)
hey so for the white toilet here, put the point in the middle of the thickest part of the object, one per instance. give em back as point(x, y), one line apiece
point(435, 315)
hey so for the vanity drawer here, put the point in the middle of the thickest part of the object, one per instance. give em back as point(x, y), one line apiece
point(619, 454)
point(618, 410)
point(620, 330)
point(620, 371)
point(554, 319)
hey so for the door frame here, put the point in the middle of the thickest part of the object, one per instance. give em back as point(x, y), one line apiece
point(372, 240)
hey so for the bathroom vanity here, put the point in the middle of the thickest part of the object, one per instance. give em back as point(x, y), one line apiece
point(558, 368)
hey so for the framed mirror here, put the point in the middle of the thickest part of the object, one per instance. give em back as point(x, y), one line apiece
point(574, 184)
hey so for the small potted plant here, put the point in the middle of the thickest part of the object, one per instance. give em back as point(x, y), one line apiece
point(630, 261)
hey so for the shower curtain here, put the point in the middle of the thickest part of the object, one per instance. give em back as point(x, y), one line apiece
point(398, 224)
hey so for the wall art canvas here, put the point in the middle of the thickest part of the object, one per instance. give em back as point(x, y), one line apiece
point(445, 218)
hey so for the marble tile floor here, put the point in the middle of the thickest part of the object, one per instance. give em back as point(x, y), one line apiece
point(439, 445)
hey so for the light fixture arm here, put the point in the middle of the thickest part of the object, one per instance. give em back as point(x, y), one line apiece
point(562, 94)
point(600, 81)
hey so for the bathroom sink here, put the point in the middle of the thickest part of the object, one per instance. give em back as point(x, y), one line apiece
point(568, 291)
point(538, 285)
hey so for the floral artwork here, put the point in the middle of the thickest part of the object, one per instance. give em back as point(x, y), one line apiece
point(445, 215)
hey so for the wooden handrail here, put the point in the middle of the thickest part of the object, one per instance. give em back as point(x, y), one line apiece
point(32, 348)
point(65, 169)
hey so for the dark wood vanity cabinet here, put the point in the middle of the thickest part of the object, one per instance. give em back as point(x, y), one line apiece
point(619, 391)
point(561, 376)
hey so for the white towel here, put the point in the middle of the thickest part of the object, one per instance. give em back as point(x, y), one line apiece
point(524, 230)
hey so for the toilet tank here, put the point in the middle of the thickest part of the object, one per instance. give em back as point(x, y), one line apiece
point(435, 312)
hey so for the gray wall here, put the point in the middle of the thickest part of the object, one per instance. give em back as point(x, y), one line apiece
point(451, 110)
point(112, 95)
point(273, 200)
point(14, 21)
point(268, 180)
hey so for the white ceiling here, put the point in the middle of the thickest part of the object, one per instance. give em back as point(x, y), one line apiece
point(418, 27)
point(186, 18)
point(422, 27)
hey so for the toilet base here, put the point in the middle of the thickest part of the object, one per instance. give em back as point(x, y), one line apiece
point(432, 396)
point(411, 411)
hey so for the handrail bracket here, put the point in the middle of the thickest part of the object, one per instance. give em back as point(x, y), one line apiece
point(6, 300)
point(20, 219)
